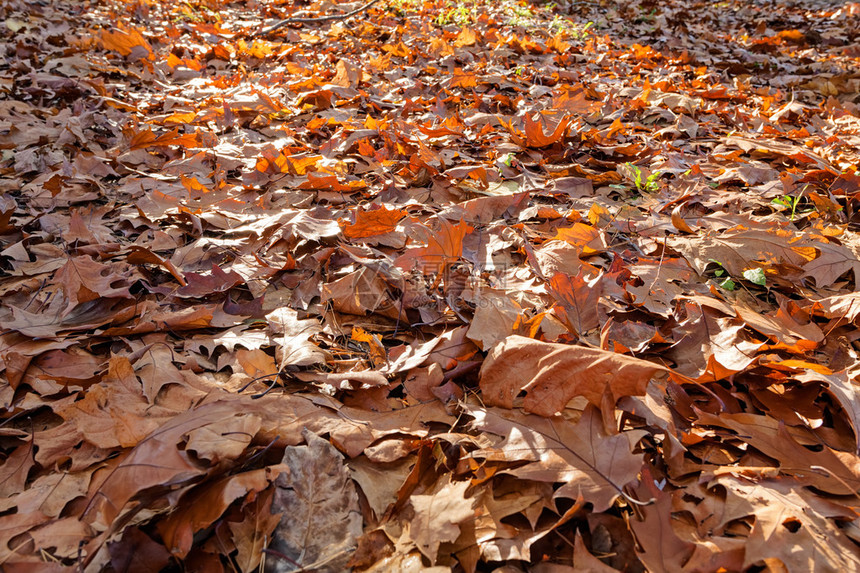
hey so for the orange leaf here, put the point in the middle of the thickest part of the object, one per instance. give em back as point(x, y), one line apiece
point(376, 350)
point(375, 222)
point(443, 248)
point(124, 40)
point(466, 37)
point(588, 238)
point(573, 99)
point(678, 219)
point(348, 75)
point(461, 79)
point(331, 183)
point(578, 298)
point(146, 138)
point(301, 165)
point(535, 136)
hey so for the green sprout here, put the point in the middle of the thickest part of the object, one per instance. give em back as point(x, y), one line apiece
point(650, 183)
point(576, 31)
point(726, 283)
point(459, 14)
point(788, 202)
point(406, 6)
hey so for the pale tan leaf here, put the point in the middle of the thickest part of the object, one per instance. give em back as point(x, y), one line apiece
point(438, 515)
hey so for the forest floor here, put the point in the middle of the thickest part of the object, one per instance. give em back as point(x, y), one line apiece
point(445, 286)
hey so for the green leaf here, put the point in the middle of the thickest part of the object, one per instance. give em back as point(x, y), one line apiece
point(755, 276)
point(728, 284)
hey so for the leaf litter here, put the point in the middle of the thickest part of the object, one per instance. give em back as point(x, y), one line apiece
point(445, 286)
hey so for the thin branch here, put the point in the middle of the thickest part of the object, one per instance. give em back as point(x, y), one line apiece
point(287, 21)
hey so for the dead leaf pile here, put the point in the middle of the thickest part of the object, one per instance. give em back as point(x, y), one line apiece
point(442, 287)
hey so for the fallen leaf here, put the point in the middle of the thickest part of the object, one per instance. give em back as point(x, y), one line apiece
point(374, 222)
point(438, 515)
point(589, 462)
point(321, 520)
point(553, 374)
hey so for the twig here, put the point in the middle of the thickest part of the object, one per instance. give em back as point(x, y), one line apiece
point(287, 21)
point(279, 555)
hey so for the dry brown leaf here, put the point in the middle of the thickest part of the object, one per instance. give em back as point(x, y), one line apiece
point(136, 552)
point(789, 521)
point(494, 318)
point(254, 533)
point(356, 214)
point(839, 472)
point(374, 222)
point(321, 519)
point(113, 412)
point(202, 506)
point(589, 462)
point(553, 374)
point(438, 515)
point(661, 548)
point(577, 297)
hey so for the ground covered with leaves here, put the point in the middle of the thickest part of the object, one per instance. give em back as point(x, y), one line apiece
point(445, 286)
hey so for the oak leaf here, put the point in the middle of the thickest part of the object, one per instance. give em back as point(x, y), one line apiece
point(789, 517)
point(582, 456)
point(552, 374)
point(124, 40)
point(253, 533)
point(839, 473)
point(444, 247)
point(661, 548)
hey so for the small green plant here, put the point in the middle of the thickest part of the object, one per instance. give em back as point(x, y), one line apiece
point(519, 15)
point(559, 24)
point(459, 14)
point(522, 12)
point(650, 183)
point(406, 6)
point(194, 11)
point(721, 273)
point(726, 282)
point(790, 203)
point(508, 161)
point(646, 17)
point(582, 32)
point(575, 31)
